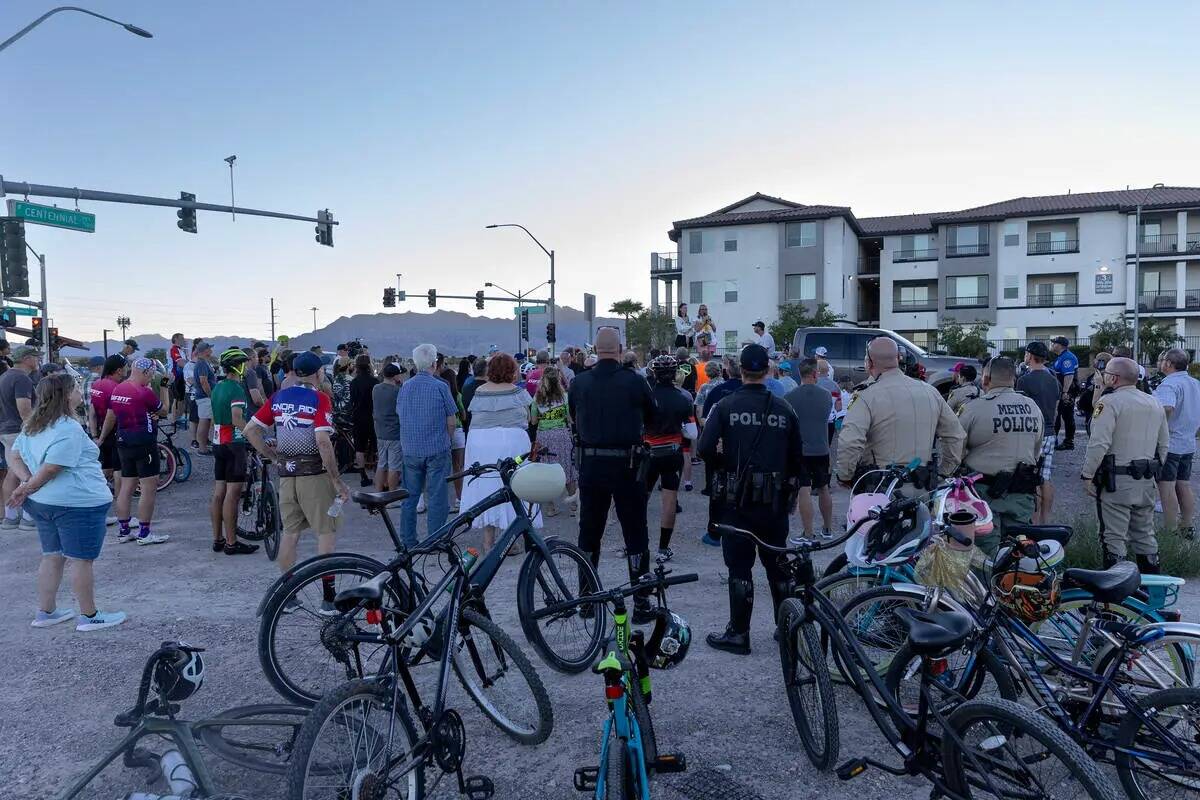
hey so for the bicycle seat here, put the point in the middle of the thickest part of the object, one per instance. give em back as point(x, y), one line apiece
point(376, 500)
point(1111, 585)
point(1040, 533)
point(931, 632)
point(371, 591)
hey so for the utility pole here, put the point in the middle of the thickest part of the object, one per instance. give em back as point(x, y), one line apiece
point(104, 337)
point(1137, 285)
point(272, 320)
point(232, 205)
point(314, 310)
point(45, 311)
point(123, 323)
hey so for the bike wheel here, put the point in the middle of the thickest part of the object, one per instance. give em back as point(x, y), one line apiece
point(1171, 662)
point(1157, 772)
point(1022, 755)
point(259, 738)
point(501, 680)
point(619, 783)
point(349, 745)
point(641, 712)
point(570, 641)
point(301, 650)
point(183, 461)
point(272, 524)
point(841, 587)
point(1061, 631)
point(958, 676)
point(809, 687)
point(166, 466)
point(872, 617)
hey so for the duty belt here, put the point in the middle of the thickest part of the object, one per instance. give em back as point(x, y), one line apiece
point(1145, 470)
point(607, 452)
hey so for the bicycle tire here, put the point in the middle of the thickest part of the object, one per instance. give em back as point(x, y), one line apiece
point(887, 633)
point(214, 737)
point(329, 705)
point(274, 525)
point(166, 466)
point(290, 686)
point(795, 632)
point(533, 578)
point(618, 777)
point(183, 464)
point(1180, 654)
point(467, 670)
point(969, 684)
point(249, 523)
point(841, 587)
point(1018, 723)
point(1154, 705)
point(641, 712)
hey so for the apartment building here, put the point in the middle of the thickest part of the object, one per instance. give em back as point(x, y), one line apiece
point(1032, 267)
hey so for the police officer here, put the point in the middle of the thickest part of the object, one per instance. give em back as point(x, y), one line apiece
point(609, 407)
point(1004, 439)
point(965, 390)
point(894, 419)
point(673, 420)
point(753, 439)
point(1128, 444)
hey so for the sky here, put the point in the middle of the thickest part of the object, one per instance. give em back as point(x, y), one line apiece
point(593, 124)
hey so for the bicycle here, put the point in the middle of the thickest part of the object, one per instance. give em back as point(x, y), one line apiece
point(974, 735)
point(302, 654)
point(258, 514)
point(257, 737)
point(372, 715)
point(628, 746)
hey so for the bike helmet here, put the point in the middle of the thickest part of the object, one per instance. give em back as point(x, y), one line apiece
point(669, 642)
point(890, 539)
point(663, 368)
point(179, 672)
point(962, 498)
point(1028, 585)
point(526, 368)
point(233, 357)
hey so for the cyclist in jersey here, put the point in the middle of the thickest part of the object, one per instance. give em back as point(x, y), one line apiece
point(664, 434)
point(302, 419)
point(229, 454)
point(176, 359)
point(98, 396)
point(134, 408)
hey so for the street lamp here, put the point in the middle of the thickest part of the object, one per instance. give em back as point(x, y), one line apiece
point(145, 34)
point(550, 254)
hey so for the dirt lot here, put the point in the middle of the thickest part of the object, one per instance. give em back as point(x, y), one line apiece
point(729, 715)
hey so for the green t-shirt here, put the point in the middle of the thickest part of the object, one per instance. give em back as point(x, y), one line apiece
point(227, 394)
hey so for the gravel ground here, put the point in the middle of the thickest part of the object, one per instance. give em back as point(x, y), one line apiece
point(729, 715)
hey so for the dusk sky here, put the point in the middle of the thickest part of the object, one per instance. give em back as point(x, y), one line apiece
point(594, 124)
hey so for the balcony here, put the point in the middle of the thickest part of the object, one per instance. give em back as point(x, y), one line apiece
point(1167, 244)
point(929, 254)
point(963, 250)
point(1157, 301)
point(661, 263)
point(915, 304)
point(868, 265)
point(1044, 300)
point(1046, 248)
point(967, 302)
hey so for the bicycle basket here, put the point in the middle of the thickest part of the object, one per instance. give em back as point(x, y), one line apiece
point(1031, 594)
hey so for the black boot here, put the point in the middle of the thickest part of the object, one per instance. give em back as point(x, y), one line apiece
point(780, 591)
point(1148, 565)
point(639, 565)
point(736, 638)
point(593, 557)
point(1108, 560)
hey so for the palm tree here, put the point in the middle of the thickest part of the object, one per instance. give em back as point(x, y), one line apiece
point(626, 308)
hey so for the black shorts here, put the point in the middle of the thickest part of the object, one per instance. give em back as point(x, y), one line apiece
point(816, 471)
point(229, 463)
point(108, 453)
point(193, 411)
point(683, 341)
point(178, 389)
point(139, 460)
point(1177, 467)
point(665, 471)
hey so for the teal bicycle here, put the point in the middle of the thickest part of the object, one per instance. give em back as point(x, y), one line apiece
point(628, 748)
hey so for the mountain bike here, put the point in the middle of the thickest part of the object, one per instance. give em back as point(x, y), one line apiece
point(628, 747)
point(359, 740)
point(302, 655)
point(256, 737)
point(980, 746)
point(258, 514)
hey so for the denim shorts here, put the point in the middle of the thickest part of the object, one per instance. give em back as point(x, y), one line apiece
point(73, 532)
point(1177, 467)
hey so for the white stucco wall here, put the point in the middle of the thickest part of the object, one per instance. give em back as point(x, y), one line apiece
point(1101, 243)
point(833, 269)
point(755, 267)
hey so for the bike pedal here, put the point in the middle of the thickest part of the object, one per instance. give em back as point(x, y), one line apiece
point(852, 769)
point(667, 763)
point(478, 787)
point(586, 779)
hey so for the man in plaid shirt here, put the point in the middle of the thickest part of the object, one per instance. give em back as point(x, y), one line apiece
point(427, 414)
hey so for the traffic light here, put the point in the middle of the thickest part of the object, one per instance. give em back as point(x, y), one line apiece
point(187, 216)
point(389, 297)
point(14, 263)
point(53, 335)
point(524, 325)
point(8, 318)
point(325, 228)
point(549, 333)
point(35, 327)
point(479, 300)
point(433, 298)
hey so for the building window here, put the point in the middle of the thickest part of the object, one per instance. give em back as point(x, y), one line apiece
point(730, 291)
point(731, 245)
point(914, 296)
point(800, 288)
point(966, 291)
point(1012, 236)
point(918, 247)
point(695, 241)
point(925, 339)
point(696, 292)
point(1011, 286)
point(967, 240)
point(731, 341)
point(801, 234)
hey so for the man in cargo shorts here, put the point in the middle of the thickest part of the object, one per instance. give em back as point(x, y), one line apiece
point(302, 418)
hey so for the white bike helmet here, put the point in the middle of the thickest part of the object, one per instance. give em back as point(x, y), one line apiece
point(179, 672)
point(890, 542)
point(539, 482)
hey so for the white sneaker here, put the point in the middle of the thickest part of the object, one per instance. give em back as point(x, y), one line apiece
point(110, 521)
point(421, 505)
point(27, 524)
point(1158, 507)
point(454, 506)
point(44, 620)
point(122, 538)
point(151, 538)
point(10, 523)
point(100, 620)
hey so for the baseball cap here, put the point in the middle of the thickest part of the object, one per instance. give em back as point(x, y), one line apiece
point(754, 358)
point(132, 343)
point(1037, 348)
point(24, 351)
point(306, 364)
point(958, 367)
point(821, 351)
point(1064, 341)
point(203, 347)
point(96, 361)
point(759, 324)
point(391, 370)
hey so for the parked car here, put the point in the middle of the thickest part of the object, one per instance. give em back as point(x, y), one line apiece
point(846, 347)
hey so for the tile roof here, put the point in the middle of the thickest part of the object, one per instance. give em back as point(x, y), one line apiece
point(904, 223)
point(795, 211)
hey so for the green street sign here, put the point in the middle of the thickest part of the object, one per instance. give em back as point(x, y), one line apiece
point(530, 309)
point(22, 311)
point(55, 217)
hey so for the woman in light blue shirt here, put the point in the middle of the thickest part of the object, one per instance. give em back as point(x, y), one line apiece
point(63, 489)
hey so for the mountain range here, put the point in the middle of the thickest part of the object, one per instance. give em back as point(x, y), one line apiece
point(453, 332)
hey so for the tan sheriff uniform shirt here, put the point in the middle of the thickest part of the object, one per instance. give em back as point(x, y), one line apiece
point(1128, 423)
point(1004, 428)
point(963, 395)
point(893, 420)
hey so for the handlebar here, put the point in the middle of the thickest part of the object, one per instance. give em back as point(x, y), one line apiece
point(656, 580)
point(804, 546)
point(477, 469)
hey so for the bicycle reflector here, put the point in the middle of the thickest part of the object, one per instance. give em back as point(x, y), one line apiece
point(374, 616)
point(614, 691)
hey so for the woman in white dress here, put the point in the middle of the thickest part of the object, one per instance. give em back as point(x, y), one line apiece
point(683, 327)
point(500, 418)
